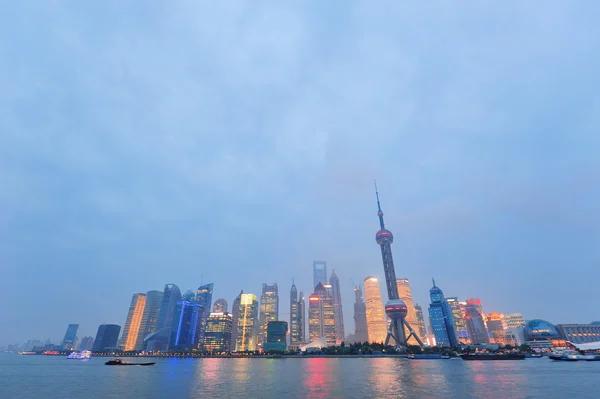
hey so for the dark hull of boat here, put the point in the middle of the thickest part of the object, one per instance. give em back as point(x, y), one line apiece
point(113, 363)
point(493, 357)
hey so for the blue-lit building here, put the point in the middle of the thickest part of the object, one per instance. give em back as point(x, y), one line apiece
point(276, 337)
point(184, 333)
point(68, 341)
point(442, 321)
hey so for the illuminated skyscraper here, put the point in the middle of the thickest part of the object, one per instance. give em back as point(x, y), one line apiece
point(133, 322)
point(247, 325)
point(321, 316)
point(235, 313)
point(319, 272)
point(68, 341)
point(204, 299)
point(220, 306)
point(334, 281)
point(376, 323)
point(361, 332)
point(295, 320)
point(159, 339)
point(459, 322)
point(302, 317)
point(440, 316)
point(269, 310)
point(475, 323)
point(217, 337)
point(150, 317)
point(184, 334)
point(496, 327)
point(106, 337)
point(405, 294)
point(421, 331)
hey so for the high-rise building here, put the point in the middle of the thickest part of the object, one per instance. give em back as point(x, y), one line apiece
point(204, 299)
point(159, 339)
point(133, 322)
point(421, 330)
point(475, 322)
point(395, 308)
point(459, 322)
point(235, 314)
point(376, 323)
point(321, 316)
point(334, 281)
point(106, 337)
point(269, 310)
point(295, 326)
point(276, 337)
point(86, 344)
point(150, 317)
point(220, 306)
point(514, 320)
point(361, 332)
point(405, 294)
point(442, 321)
point(319, 272)
point(68, 341)
point(184, 334)
point(302, 317)
point(496, 327)
point(218, 332)
point(247, 325)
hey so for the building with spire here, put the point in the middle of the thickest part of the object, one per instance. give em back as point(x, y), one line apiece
point(133, 322)
point(440, 316)
point(376, 323)
point(295, 320)
point(396, 309)
point(319, 272)
point(269, 310)
point(361, 332)
point(247, 325)
point(334, 281)
point(321, 316)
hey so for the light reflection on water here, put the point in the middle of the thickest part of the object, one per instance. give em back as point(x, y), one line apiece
point(55, 377)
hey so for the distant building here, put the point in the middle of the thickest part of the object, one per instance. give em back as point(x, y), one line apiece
point(220, 306)
point(319, 272)
point(269, 310)
point(218, 332)
point(460, 326)
point(295, 321)
point(133, 322)
point(579, 333)
point(86, 344)
point(159, 339)
point(442, 321)
point(150, 317)
point(247, 326)
point(334, 281)
point(321, 316)
point(235, 314)
point(204, 299)
point(420, 327)
point(276, 337)
point(302, 317)
point(497, 327)
point(376, 321)
point(361, 332)
point(184, 334)
point(405, 294)
point(106, 337)
point(475, 322)
point(68, 341)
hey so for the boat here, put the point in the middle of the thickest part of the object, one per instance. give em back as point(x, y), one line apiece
point(426, 357)
point(80, 355)
point(492, 356)
point(565, 356)
point(28, 353)
point(119, 362)
point(533, 355)
point(593, 358)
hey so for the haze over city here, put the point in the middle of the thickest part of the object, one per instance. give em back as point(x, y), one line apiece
point(235, 143)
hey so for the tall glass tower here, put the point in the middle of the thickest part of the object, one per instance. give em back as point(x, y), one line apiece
point(442, 321)
point(302, 318)
point(376, 324)
point(235, 317)
point(269, 310)
point(321, 316)
point(319, 272)
point(294, 318)
point(159, 339)
point(68, 341)
point(334, 281)
point(361, 332)
point(133, 322)
point(150, 316)
point(204, 299)
point(247, 325)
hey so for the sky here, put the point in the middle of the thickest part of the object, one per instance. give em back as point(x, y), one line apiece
point(145, 143)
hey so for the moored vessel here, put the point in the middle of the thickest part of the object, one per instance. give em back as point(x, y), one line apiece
point(119, 362)
point(426, 357)
point(492, 356)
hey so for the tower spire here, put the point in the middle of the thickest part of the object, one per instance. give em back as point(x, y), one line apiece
point(379, 212)
point(433, 280)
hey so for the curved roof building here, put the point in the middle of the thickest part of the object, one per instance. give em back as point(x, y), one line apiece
point(540, 330)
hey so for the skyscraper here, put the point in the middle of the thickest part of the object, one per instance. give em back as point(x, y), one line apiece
point(269, 310)
point(235, 314)
point(184, 334)
point(133, 322)
point(395, 308)
point(421, 331)
point(475, 322)
point(496, 327)
point(294, 318)
point(159, 339)
point(405, 294)
point(459, 322)
point(106, 337)
point(220, 306)
point(440, 316)
point(361, 332)
point(302, 317)
point(150, 317)
point(247, 325)
point(68, 341)
point(218, 332)
point(204, 299)
point(86, 344)
point(321, 316)
point(376, 323)
point(319, 272)
point(276, 337)
point(334, 281)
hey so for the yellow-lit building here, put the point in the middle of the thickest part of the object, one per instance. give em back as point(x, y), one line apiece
point(376, 321)
point(496, 327)
point(218, 332)
point(268, 311)
point(405, 294)
point(129, 339)
point(247, 325)
point(321, 316)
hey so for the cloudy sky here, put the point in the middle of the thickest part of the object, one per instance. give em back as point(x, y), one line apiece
point(144, 143)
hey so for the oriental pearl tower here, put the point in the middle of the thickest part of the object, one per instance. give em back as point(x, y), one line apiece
point(395, 308)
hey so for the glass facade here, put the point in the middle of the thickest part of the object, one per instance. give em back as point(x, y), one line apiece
point(295, 334)
point(405, 294)
point(334, 281)
point(218, 332)
point(106, 337)
point(321, 316)
point(129, 339)
point(460, 326)
point(184, 334)
point(319, 272)
point(361, 332)
point(247, 326)
point(68, 341)
point(235, 313)
point(269, 310)
point(441, 319)
point(376, 321)
point(204, 299)
point(150, 317)
point(475, 323)
point(420, 323)
point(579, 333)
point(276, 336)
